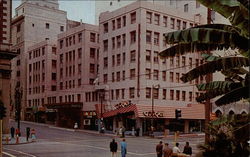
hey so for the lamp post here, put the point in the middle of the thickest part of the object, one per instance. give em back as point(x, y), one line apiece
point(153, 113)
point(101, 95)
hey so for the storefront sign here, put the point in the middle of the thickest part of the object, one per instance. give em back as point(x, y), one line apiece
point(154, 114)
point(89, 113)
point(123, 104)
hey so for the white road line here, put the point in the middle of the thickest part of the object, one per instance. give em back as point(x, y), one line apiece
point(9, 154)
point(102, 148)
point(30, 155)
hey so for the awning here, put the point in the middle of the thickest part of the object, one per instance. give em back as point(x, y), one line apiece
point(64, 105)
point(190, 111)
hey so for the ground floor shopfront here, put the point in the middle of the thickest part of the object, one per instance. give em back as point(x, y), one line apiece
point(136, 117)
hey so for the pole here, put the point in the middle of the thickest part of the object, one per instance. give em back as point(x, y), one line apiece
point(152, 114)
point(1, 134)
point(208, 79)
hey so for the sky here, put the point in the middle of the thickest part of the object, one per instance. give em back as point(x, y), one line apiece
point(76, 10)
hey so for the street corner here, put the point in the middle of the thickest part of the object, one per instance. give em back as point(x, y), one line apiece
point(14, 141)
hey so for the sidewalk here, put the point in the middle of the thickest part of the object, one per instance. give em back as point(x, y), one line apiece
point(12, 141)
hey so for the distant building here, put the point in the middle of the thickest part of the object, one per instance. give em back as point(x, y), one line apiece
point(77, 64)
point(131, 70)
point(35, 21)
point(41, 78)
point(6, 54)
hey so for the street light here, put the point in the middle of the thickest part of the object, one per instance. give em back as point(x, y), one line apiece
point(153, 113)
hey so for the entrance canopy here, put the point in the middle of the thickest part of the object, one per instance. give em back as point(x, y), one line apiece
point(190, 111)
point(64, 105)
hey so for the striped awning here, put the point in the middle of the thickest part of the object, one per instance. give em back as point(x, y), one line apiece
point(190, 111)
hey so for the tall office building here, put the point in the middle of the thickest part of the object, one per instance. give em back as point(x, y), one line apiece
point(35, 21)
point(6, 55)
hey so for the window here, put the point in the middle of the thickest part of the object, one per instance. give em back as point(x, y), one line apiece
point(183, 60)
point(132, 37)
point(80, 53)
point(18, 62)
point(117, 94)
point(172, 20)
point(79, 82)
point(47, 25)
point(183, 95)
point(156, 93)
point(123, 58)
point(61, 44)
point(105, 45)
point(123, 39)
point(177, 61)
point(148, 55)
point(186, 8)
point(92, 37)
point(190, 96)
point(132, 56)
point(148, 92)
point(148, 37)
point(156, 74)
point(156, 38)
point(113, 42)
point(105, 27)
point(164, 94)
point(178, 25)
point(157, 19)
point(53, 63)
point(119, 23)
point(132, 74)
point(177, 77)
point(171, 62)
point(133, 17)
point(132, 92)
point(18, 73)
point(123, 93)
point(196, 94)
point(149, 17)
point(165, 21)
point(53, 88)
point(124, 21)
point(164, 75)
point(123, 75)
point(177, 95)
point(61, 28)
point(156, 58)
point(53, 76)
point(118, 76)
point(148, 73)
point(105, 62)
point(80, 37)
point(92, 52)
point(113, 24)
point(105, 78)
point(91, 81)
point(79, 68)
point(118, 59)
point(118, 39)
point(184, 25)
point(92, 68)
point(171, 94)
point(190, 63)
point(171, 77)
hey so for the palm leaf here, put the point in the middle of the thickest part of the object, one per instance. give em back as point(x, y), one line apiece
point(224, 63)
point(210, 94)
point(203, 39)
point(233, 96)
point(209, 57)
point(218, 85)
point(233, 10)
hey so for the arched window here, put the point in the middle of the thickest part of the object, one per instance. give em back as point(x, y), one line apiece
point(231, 112)
point(218, 113)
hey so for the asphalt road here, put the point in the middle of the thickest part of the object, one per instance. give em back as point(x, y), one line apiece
point(54, 142)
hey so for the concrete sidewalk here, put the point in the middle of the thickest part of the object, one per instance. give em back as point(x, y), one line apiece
point(7, 140)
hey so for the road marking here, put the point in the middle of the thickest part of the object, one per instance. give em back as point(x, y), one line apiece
point(9, 154)
point(30, 155)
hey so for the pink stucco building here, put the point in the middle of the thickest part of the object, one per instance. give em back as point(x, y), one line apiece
point(41, 77)
point(131, 70)
point(77, 52)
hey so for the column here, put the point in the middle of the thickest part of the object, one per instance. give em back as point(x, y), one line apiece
point(186, 126)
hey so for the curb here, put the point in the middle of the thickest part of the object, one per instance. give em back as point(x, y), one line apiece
point(18, 143)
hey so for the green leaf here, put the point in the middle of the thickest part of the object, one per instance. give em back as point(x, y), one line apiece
point(219, 85)
point(224, 63)
point(209, 57)
point(233, 96)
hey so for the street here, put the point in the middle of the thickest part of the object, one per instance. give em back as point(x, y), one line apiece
point(55, 142)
